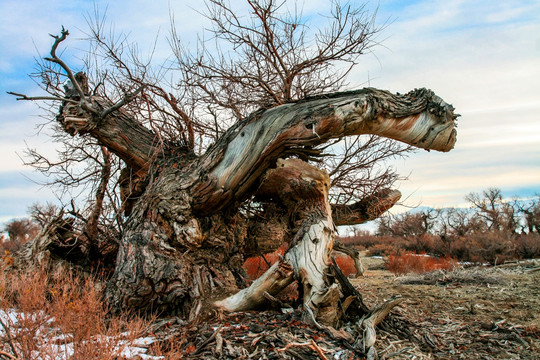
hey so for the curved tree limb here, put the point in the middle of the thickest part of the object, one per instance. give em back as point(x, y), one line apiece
point(367, 209)
point(237, 161)
point(353, 254)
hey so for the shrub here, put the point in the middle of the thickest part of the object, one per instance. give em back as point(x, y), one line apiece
point(20, 232)
point(346, 265)
point(408, 262)
point(528, 246)
point(493, 247)
point(381, 250)
point(60, 316)
point(257, 265)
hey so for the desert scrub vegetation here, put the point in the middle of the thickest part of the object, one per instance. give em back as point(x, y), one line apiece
point(491, 231)
point(61, 315)
point(407, 262)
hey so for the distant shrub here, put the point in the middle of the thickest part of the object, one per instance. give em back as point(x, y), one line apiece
point(381, 250)
point(361, 239)
point(20, 231)
point(493, 247)
point(528, 246)
point(406, 263)
point(426, 243)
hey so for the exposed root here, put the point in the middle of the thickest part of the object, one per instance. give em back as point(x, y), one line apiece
point(272, 282)
point(367, 325)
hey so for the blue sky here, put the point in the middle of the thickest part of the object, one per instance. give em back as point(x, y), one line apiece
point(481, 56)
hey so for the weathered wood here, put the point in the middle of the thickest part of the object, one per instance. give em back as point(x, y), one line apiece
point(304, 188)
point(272, 282)
point(365, 210)
point(368, 324)
point(172, 227)
point(237, 161)
point(120, 132)
point(185, 237)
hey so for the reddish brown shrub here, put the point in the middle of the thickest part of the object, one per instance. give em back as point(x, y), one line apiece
point(493, 247)
point(361, 239)
point(528, 246)
point(426, 243)
point(345, 264)
point(381, 250)
point(256, 266)
point(47, 310)
point(20, 231)
point(460, 248)
point(406, 263)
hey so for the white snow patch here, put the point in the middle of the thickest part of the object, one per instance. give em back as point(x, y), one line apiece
point(55, 345)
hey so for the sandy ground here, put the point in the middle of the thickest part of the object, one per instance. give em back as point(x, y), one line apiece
point(474, 313)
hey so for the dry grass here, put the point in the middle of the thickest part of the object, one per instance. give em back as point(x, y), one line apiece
point(479, 276)
point(412, 262)
point(60, 316)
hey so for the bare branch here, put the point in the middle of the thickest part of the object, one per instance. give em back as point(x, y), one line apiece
point(38, 98)
point(55, 59)
point(127, 98)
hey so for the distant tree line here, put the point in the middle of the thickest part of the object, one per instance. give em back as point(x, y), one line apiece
point(491, 230)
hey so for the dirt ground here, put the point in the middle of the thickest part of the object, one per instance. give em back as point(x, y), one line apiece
point(467, 313)
point(472, 313)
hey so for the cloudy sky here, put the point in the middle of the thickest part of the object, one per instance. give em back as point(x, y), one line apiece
point(481, 56)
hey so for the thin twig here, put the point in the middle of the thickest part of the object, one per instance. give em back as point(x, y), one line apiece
point(7, 355)
point(127, 98)
point(37, 98)
point(10, 339)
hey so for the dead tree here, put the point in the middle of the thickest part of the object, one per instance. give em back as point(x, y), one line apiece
point(182, 247)
point(182, 238)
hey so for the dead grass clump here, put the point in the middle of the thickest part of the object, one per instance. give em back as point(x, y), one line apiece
point(470, 276)
point(412, 262)
point(46, 316)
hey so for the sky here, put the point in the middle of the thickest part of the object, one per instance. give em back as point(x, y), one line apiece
point(482, 56)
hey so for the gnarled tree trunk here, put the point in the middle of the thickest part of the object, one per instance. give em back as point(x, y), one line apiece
point(186, 235)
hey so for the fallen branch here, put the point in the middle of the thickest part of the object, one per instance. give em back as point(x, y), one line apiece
point(6, 355)
point(368, 324)
point(312, 345)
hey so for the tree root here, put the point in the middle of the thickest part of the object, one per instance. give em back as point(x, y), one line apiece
point(368, 323)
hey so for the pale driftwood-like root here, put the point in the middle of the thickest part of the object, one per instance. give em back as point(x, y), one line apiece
point(325, 306)
point(305, 187)
point(273, 281)
point(310, 260)
point(368, 323)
